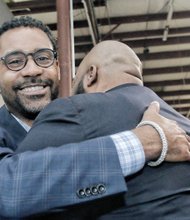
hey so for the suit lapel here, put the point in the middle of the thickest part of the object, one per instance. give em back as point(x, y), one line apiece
point(8, 122)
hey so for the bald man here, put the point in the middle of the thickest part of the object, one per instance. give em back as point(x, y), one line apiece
point(113, 74)
point(107, 65)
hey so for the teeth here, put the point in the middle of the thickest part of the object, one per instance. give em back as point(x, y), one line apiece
point(33, 88)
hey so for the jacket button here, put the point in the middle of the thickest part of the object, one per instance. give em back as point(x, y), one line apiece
point(101, 188)
point(94, 190)
point(81, 193)
point(87, 192)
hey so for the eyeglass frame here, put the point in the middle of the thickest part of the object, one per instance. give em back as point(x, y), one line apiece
point(26, 57)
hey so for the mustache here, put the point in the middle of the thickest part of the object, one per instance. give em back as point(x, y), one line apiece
point(32, 80)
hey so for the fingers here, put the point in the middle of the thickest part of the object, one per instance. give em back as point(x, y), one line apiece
point(179, 151)
point(154, 107)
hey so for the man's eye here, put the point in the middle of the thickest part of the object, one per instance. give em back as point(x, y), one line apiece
point(15, 62)
point(42, 59)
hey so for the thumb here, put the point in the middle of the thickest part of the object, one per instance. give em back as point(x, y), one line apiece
point(154, 107)
point(151, 111)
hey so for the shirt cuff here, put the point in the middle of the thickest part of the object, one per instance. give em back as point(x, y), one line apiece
point(130, 152)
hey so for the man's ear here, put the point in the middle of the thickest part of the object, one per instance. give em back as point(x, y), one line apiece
point(92, 75)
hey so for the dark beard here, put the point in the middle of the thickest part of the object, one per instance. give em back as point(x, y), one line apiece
point(31, 80)
point(25, 112)
point(20, 107)
point(33, 113)
point(80, 88)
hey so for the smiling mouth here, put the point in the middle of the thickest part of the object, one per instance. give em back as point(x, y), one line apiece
point(33, 90)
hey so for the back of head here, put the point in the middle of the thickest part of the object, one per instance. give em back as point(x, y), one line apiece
point(26, 21)
point(112, 54)
point(116, 64)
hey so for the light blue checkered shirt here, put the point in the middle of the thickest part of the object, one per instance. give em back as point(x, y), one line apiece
point(130, 152)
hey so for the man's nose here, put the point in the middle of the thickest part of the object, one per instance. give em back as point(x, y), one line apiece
point(31, 68)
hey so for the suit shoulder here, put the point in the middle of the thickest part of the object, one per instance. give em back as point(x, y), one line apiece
point(89, 97)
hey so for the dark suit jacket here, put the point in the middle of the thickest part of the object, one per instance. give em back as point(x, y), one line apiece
point(10, 124)
point(154, 193)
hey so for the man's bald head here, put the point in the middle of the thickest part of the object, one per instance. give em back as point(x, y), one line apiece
point(113, 61)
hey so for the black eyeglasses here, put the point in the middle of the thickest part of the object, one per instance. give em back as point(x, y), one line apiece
point(17, 60)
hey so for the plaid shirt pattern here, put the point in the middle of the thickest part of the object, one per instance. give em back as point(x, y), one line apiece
point(130, 152)
point(34, 182)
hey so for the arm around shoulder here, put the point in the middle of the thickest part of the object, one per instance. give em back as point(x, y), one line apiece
point(35, 182)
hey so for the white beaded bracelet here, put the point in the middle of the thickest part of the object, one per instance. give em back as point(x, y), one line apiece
point(163, 139)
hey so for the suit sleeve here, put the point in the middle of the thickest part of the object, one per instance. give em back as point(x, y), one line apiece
point(37, 181)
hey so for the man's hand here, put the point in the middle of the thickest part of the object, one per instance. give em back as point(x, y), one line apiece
point(178, 141)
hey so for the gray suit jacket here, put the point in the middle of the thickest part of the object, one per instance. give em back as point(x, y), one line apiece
point(154, 193)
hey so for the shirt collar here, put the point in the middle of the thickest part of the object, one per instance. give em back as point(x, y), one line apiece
point(24, 125)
